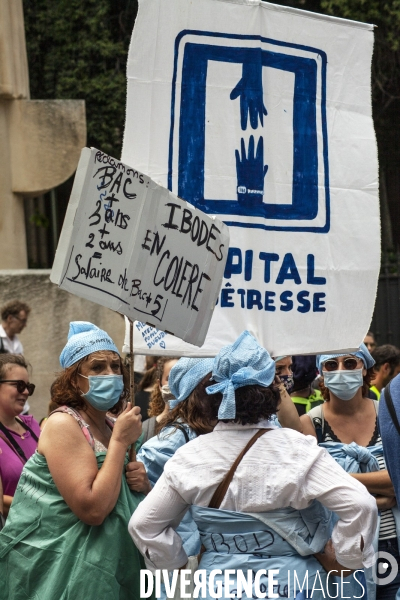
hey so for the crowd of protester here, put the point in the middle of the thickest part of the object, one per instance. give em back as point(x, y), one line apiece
point(241, 462)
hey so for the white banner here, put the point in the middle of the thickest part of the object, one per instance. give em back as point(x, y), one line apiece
point(261, 115)
point(131, 245)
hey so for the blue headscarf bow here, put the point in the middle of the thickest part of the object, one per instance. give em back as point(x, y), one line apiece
point(243, 363)
point(362, 353)
point(83, 339)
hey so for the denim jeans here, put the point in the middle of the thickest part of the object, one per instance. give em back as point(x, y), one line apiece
point(388, 591)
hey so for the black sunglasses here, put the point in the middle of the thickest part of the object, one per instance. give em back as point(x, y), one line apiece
point(333, 365)
point(20, 385)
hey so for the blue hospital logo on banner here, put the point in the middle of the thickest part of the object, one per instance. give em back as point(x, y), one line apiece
point(248, 135)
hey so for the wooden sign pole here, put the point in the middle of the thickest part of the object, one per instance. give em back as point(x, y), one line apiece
point(132, 452)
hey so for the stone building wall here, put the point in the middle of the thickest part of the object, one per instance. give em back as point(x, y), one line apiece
point(47, 329)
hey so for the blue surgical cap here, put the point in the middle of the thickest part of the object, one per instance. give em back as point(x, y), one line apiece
point(83, 339)
point(243, 363)
point(185, 375)
point(362, 353)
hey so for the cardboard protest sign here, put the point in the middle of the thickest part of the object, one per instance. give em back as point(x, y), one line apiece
point(261, 115)
point(133, 246)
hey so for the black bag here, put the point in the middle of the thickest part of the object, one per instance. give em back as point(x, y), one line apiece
point(2, 349)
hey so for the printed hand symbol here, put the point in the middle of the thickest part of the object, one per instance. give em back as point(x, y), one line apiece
point(250, 90)
point(250, 173)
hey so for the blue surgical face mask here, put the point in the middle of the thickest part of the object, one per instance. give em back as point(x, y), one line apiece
point(104, 390)
point(344, 384)
point(287, 381)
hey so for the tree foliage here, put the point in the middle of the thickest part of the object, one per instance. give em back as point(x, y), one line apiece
point(385, 14)
point(386, 62)
point(77, 49)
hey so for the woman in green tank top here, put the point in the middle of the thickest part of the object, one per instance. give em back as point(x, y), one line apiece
point(66, 535)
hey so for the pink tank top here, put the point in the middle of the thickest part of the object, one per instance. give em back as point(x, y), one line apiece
point(85, 427)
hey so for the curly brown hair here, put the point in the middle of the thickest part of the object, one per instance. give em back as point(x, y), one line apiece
point(157, 404)
point(200, 410)
point(13, 308)
point(366, 385)
point(65, 390)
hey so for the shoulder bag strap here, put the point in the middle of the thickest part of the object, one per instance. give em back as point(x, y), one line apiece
point(7, 437)
point(316, 415)
point(317, 422)
point(389, 403)
point(181, 428)
point(6, 441)
point(221, 490)
point(25, 426)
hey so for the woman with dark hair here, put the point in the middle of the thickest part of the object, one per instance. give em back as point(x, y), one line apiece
point(19, 433)
point(269, 518)
point(186, 419)
point(66, 531)
point(346, 424)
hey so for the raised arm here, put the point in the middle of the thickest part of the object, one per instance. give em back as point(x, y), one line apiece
point(287, 412)
point(91, 493)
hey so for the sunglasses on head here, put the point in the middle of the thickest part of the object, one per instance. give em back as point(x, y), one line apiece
point(20, 385)
point(333, 364)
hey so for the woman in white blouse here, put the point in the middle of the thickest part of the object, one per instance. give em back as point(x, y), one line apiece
point(268, 518)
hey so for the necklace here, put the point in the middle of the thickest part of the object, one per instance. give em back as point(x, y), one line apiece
point(18, 429)
point(94, 425)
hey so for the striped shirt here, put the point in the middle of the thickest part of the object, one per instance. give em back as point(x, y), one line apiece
point(387, 529)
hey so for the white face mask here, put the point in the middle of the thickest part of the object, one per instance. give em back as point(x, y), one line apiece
point(344, 384)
